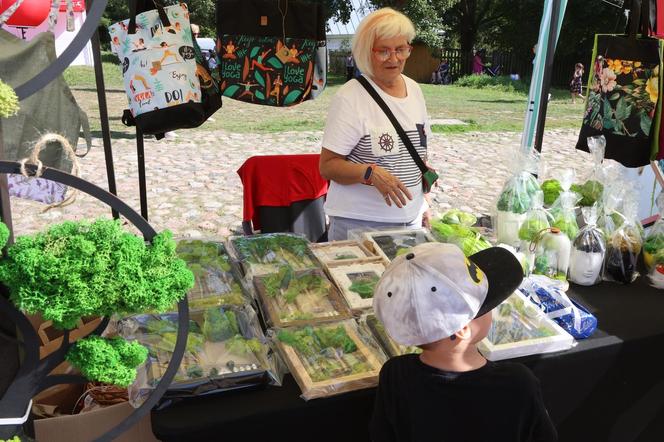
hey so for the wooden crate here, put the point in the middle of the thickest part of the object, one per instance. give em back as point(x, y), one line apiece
point(419, 236)
point(328, 252)
point(341, 273)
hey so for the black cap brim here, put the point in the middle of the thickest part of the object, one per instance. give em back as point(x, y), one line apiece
point(503, 272)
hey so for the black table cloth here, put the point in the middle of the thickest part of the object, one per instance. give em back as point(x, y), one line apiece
point(610, 387)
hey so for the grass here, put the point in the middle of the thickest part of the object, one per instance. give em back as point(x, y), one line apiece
point(484, 110)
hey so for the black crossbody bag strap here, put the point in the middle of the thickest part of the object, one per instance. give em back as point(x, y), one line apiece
point(402, 133)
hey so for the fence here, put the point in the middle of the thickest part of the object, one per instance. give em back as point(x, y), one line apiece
point(461, 62)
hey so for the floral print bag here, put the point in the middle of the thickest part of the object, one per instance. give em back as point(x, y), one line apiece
point(623, 101)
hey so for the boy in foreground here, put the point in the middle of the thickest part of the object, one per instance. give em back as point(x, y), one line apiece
point(439, 300)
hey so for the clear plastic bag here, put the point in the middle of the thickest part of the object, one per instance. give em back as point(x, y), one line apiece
point(653, 248)
point(515, 200)
point(592, 189)
point(552, 252)
point(455, 227)
point(293, 298)
point(563, 209)
point(389, 243)
point(623, 245)
point(226, 350)
point(217, 282)
point(588, 251)
point(389, 345)
point(267, 253)
point(330, 359)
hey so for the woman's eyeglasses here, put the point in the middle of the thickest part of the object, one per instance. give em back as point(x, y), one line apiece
point(401, 53)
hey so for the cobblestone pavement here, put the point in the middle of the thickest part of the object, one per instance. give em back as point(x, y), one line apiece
point(194, 190)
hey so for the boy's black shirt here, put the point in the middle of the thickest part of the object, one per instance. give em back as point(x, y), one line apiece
point(419, 403)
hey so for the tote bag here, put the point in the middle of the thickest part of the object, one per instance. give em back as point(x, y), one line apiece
point(623, 96)
point(272, 52)
point(159, 68)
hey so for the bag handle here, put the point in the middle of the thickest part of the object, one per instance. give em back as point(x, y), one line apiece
point(402, 133)
point(639, 19)
point(131, 29)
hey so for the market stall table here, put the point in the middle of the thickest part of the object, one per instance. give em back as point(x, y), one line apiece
point(283, 193)
point(609, 387)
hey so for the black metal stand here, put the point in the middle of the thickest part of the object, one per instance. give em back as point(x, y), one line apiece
point(103, 116)
point(142, 186)
point(546, 79)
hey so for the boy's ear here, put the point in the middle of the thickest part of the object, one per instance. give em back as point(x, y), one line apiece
point(465, 333)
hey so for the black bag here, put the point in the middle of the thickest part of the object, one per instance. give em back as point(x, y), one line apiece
point(272, 52)
point(623, 93)
point(429, 176)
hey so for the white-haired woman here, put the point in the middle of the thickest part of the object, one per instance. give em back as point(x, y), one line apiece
point(374, 180)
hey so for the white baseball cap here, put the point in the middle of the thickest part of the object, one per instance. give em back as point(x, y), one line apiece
point(434, 291)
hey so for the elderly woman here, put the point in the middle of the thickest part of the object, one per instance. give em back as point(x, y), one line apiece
point(374, 180)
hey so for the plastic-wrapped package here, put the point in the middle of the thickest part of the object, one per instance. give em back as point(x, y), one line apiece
point(549, 295)
point(520, 256)
point(653, 247)
point(293, 298)
point(551, 189)
point(391, 243)
point(334, 252)
point(563, 209)
point(330, 359)
point(552, 252)
point(588, 251)
point(592, 189)
point(265, 254)
point(520, 328)
point(226, 350)
point(623, 247)
point(536, 221)
point(357, 280)
point(515, 200)
point(455, 227)
point(216, 281)
point(389, 345)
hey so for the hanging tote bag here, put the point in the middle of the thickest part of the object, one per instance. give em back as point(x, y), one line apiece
point(272, 52)
point(159, 67)
point(623, 94)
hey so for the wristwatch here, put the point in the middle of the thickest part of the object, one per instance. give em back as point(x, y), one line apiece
point(368, 174)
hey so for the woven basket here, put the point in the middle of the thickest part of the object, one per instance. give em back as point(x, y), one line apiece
point(106, 395)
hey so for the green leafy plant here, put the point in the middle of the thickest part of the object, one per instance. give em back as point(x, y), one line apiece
point(567, 224)
point(654, 243)
point(456, 216)
point(365, 286)
point(531, 227)
point(590, 191)
point(241, 346)
point(218, 326)
point(275, 249)
point(551, 189)
point(77, 269)
point(112, 361)
point(468, 239)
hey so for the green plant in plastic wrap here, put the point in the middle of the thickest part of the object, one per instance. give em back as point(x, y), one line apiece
point(564, 216)
point(112, 361)
point(590, 192)
point(551, 189)
point(456, 216)
point(467, 238)
point(536, 219)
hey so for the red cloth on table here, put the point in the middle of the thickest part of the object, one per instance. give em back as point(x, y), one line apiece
point(279, 180)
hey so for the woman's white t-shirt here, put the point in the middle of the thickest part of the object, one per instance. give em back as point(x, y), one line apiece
point(358, 128)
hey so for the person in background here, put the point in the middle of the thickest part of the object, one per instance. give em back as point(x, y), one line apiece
point(439, 75)
point(350, 67)
point(478, 64)
point(195, 30)
point(576, 84)
point(374, 180)
point(439, 300)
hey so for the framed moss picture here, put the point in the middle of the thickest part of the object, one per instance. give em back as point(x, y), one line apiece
point(336, 252)
point(330, 359)
point(217, 282)
point(391, 347)
point(357, 281)
point(391, 243)
point(294, 298)
point(265, 254)
point(520, 328)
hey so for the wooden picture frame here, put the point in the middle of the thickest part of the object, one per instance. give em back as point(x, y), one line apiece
point(332, 308)
point(389, 345)
point(345, 274)
point(405, 238)
point(340, 252)
point(316, 389)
